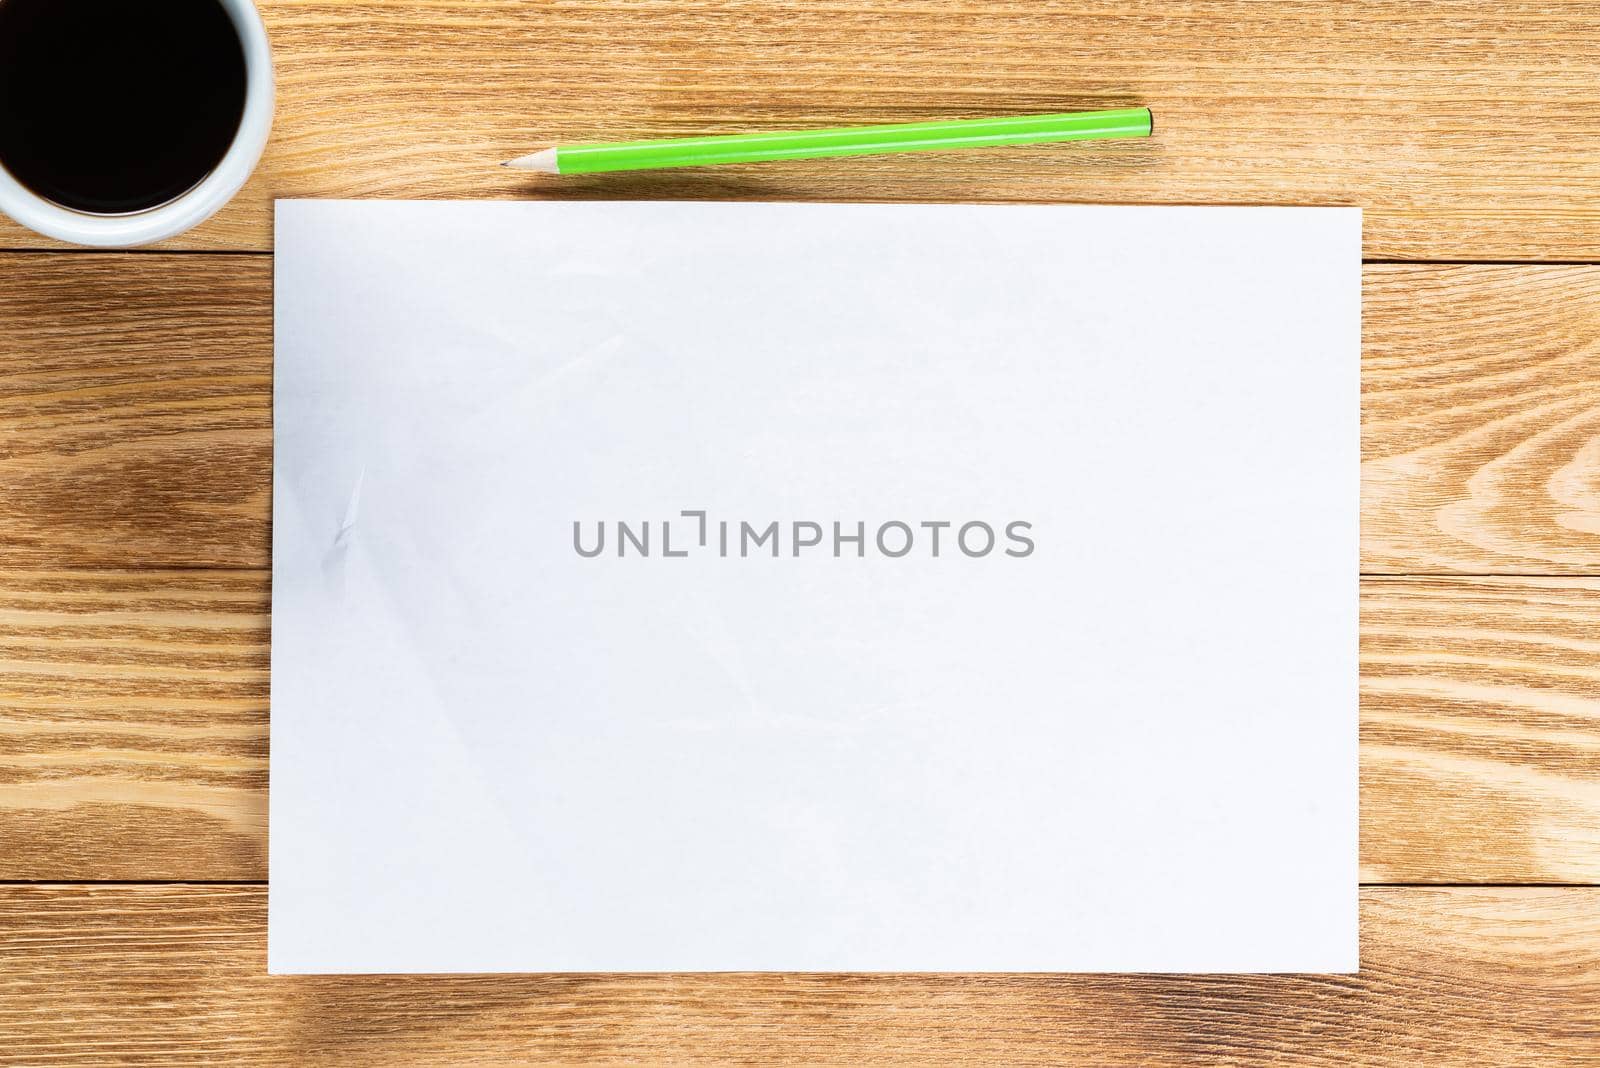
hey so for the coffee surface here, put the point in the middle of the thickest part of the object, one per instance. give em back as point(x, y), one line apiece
point(114, 106)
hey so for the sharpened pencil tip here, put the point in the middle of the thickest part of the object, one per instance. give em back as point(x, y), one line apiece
point(544, 160)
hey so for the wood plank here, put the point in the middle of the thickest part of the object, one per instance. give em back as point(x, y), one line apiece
point(135, 409)
point(1480, 730)
point(1465, 129)
point(134, 739)
point(135, 415)
point(176, 974)
point(1480, 420)
point(134, 744)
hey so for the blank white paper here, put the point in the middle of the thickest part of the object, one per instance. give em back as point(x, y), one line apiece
point(1129, 747)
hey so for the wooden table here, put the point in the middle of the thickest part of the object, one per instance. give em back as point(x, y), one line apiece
point(135, 452)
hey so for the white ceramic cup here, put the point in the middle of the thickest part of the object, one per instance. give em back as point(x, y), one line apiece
point(193, 207)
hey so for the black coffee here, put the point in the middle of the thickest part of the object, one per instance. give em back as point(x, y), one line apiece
point(117, 105)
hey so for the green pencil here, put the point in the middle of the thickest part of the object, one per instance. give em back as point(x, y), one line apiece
point(843, 141)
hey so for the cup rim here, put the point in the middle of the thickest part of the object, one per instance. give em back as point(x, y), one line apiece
point(191, 208)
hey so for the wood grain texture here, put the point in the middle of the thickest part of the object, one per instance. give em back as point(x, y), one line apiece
point(176, 974)
point(134, 745)
point(135, 415)
point(1465, 129)
point(1480, 730)
point(1480, 420)
point(135, 409)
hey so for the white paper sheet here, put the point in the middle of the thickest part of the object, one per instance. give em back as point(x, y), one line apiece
point(1131, 748)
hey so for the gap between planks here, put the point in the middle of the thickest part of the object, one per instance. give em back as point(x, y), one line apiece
point(1377, 261)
